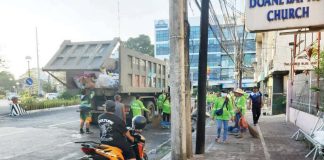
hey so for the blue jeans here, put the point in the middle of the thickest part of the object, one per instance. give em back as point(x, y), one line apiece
point(219, 128)
point(237, 119)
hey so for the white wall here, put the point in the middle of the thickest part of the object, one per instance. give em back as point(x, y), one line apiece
point(303, 120)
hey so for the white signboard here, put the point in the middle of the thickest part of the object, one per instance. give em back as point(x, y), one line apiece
point(265, 15)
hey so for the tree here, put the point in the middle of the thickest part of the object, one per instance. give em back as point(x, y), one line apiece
point(7, 80)
point(142, 44)
point(47, 87)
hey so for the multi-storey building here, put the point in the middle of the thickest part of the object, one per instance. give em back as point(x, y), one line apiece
point(220, 63)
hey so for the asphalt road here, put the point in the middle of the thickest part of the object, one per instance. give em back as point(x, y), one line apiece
point(50, 135)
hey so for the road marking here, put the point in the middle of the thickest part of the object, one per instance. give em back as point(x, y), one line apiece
point(9, 134)
point(265, 148)
point(64, 144)
point(69, 156)
point(58, 124)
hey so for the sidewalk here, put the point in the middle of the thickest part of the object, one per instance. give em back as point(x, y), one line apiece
point(274, 143)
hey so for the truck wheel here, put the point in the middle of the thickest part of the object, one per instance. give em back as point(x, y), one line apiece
point(150, 106)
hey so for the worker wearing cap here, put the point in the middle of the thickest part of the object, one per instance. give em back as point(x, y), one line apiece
point(240, 108)
point(137, 107)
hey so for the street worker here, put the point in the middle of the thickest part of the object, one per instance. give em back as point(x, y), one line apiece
point(85, 108)
point(257, 103)
point(166, 110)
point(222, 112)
point(160, 101)
point(113, 131)
point(240, 109)
point(138, 107)
point(120, 108)
point(15, 108)
point(209, 100)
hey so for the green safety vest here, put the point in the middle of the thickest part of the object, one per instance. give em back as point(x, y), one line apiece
point(166, 107)
point(137, 107)
point(160, 101)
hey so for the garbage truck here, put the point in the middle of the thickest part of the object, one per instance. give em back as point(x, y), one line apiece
point(108, 68)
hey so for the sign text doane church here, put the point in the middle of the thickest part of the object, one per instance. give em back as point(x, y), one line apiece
point(265, 15)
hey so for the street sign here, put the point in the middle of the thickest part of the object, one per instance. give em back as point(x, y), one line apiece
point(29, 81)
point(267, 15)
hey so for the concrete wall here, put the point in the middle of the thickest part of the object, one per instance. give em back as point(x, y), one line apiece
point(303, 120)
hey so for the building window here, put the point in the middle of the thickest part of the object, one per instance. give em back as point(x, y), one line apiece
point(193, 60)
point(194, 46)
point(213, 46)
point(214, 60)
point(162, 49)
point(227, 61)
point(215, 74)
point(162, 35)
point(227, 74)
point(249, 45)
point(194, 32)
point(249, 58)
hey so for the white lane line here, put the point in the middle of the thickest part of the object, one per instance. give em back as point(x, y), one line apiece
point(69, 156)
point(64, 144)
point(12, 133)
point(58, 124)
point(265, 148)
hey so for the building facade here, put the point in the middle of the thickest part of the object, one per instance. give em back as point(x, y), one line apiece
point(220, 63)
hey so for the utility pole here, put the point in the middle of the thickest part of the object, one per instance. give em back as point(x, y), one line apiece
point(38, 69)
point(178, 17)
point(202, 78)
point(318, 66)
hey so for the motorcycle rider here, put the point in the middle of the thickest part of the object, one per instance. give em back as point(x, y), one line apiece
point(113, 131)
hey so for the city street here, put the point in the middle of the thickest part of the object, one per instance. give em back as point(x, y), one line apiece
point(51, 135)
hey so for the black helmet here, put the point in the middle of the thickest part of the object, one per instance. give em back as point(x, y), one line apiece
point(139, 122)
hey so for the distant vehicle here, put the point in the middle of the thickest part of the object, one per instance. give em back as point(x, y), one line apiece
point(9, 95)
point(51, 96)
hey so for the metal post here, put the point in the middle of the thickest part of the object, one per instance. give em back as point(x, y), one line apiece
point(178, 79)
point(294, 56)
point(318, 66)
point(38, 69)
point(201, 120)
point(28, 69)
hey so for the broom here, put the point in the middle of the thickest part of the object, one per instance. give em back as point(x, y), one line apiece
point(254, 133)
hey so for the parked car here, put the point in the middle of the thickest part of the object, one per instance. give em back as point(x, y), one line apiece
point(51, 95)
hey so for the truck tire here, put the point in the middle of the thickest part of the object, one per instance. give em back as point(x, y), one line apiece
point(150, 106)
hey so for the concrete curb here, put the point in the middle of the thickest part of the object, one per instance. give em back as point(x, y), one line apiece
point(51, 109)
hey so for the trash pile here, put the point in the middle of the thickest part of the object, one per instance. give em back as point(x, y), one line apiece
point(97, 80)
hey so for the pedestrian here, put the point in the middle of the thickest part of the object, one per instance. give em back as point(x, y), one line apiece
point(209, 100)
point(257, 103)
point(120, 108)
point(240, 109)
point(113, 131)
point(15, 108)
point(85, 108)
point(166, 110)
point(138, 107)
point(222, 112)
point(160, 101)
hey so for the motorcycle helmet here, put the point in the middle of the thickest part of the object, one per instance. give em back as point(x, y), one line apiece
point(139, 122)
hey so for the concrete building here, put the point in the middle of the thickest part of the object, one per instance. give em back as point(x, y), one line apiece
point(273, 64)
point(220, 64)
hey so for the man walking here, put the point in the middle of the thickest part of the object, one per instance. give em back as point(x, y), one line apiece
point(119, 108)
point(257, 103)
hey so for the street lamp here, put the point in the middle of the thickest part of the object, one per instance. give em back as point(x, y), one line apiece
point(28, 59)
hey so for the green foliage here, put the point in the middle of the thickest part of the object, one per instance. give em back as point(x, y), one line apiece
point(30, 103)
point(319, 70)
point(142, 44)
point(315, 89)
point(67, 95)
point(48, 88)
point(7, 80)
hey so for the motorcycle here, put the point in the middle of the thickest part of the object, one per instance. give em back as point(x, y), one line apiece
point(97, 151)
